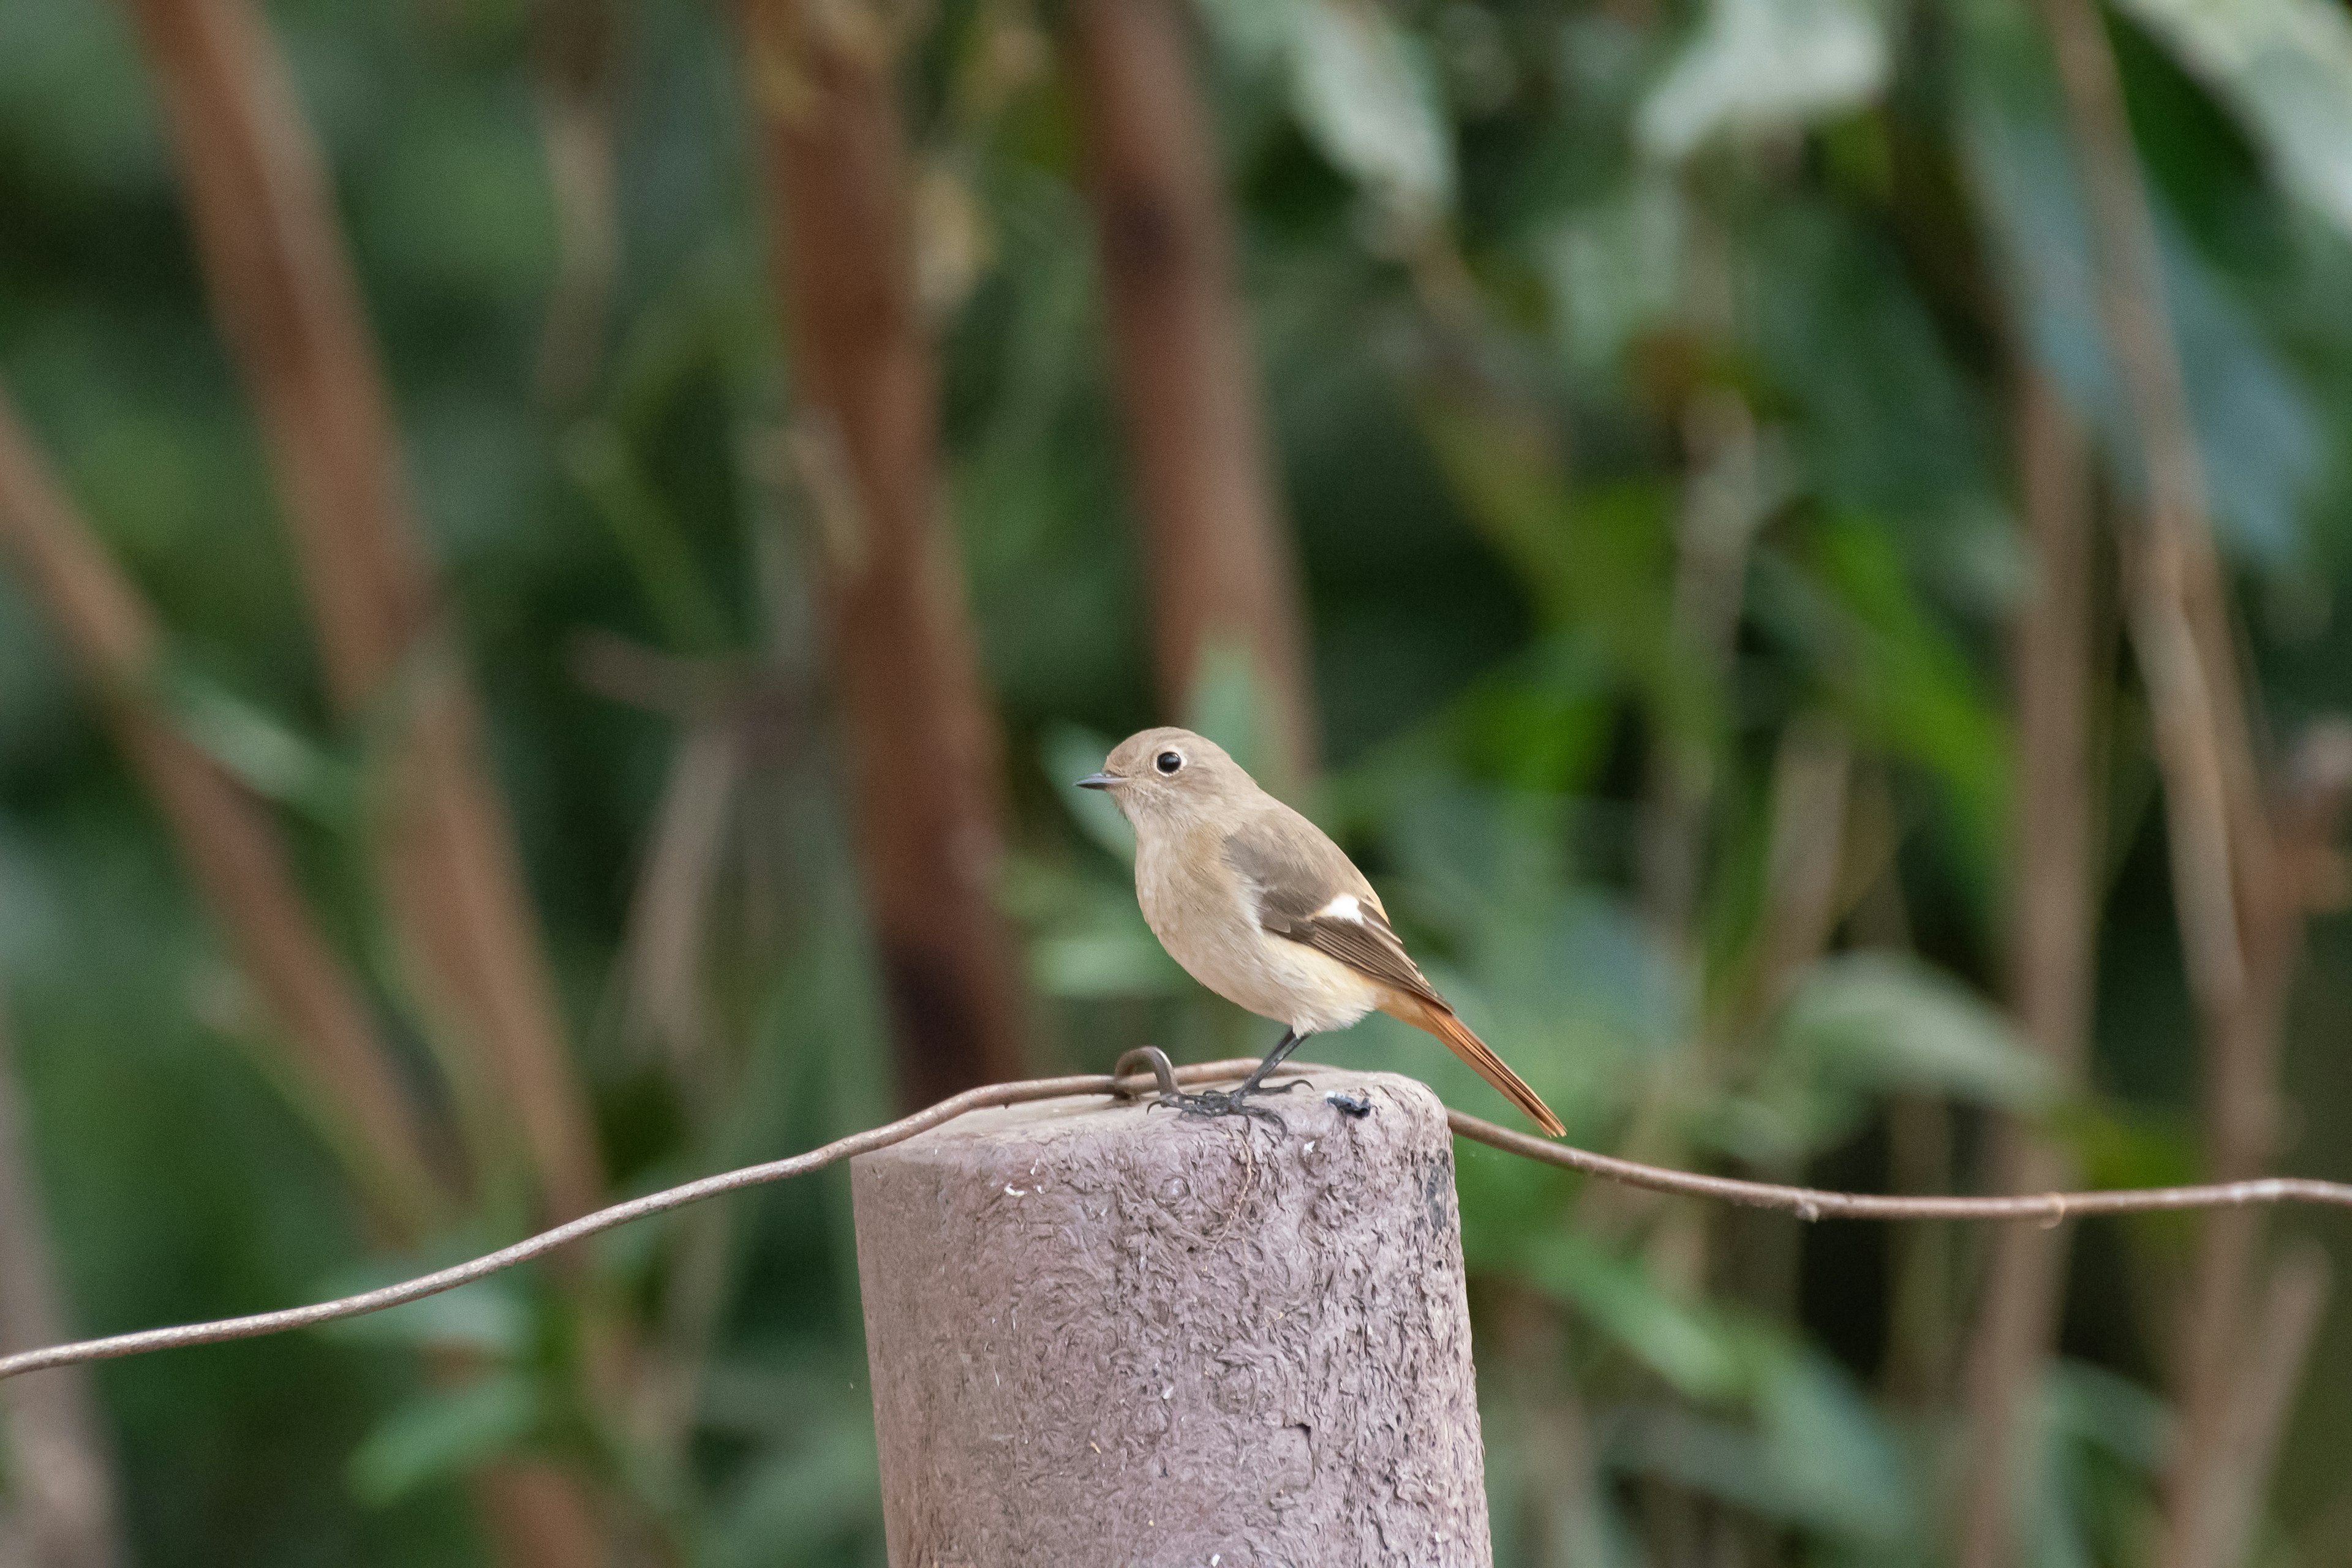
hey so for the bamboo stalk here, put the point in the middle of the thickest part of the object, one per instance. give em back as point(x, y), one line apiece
point(287, 302)
point(231, 847)
point(1222, 566)
point(289, 306)
point(925, 782)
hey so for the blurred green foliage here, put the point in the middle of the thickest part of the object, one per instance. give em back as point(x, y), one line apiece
point(1505, 260)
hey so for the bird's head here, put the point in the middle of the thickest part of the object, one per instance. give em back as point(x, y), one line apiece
point(1167, 775)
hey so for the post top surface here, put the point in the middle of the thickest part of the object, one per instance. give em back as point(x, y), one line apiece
point(1087, 1117)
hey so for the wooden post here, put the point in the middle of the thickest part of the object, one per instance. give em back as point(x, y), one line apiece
point(1104, 1333)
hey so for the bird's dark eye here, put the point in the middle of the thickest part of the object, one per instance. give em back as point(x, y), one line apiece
point(1169, 761)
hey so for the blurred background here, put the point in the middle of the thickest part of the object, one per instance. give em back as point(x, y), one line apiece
point(557, 563)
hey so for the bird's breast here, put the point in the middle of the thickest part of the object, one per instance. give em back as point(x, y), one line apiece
point(1205, 914)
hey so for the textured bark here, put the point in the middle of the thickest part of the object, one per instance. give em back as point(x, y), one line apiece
point(57, 1484)
point(1223, 570)
point(231, 847)
point(1102, 1333)
point(925, 768)
point(288, 304)
point(2051, 929)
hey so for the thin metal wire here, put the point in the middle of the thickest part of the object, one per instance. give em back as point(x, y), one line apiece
point(580, 1229)
point(1805, 1202)
point(1814, 1204)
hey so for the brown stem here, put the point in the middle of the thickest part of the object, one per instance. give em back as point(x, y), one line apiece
point(1222, 561)
point(1563, 1523)
point(2224, 861)
point(924, 783)
point(575, 51)
point(2050, 957)
point(2212, 1498)
point(1720, 509)
point(287, 302)
point(1754, 1258)
point(230, 845)
point(2173, 597)
point(536, 1517)
point(2222, 1533)
point(1711, 567)
point(1919, 1336)
point(1804, 862)
point(56, 1505)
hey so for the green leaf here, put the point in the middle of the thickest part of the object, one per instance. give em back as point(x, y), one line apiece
point(2285, 67)
point(271, 756)
point(1615, 269)
point(1764, 65)
point(1371, 105)
point(1225, 702)
point(485, 1318)
point(1105, 962)
point(1600, 562)
point(2103, 1446)
point(646, 528)
point(2260, 441)
point(1882, 420)
point(1255, 32)
point(1880, 1022)
point(1360, 88)
point(1910, 687)
point(1836, 1464)
point(440, 1434)
point(796, 1502)
point(1089, 938)
point(1818, 1455)
point(1861, 1026)
point(1687, 1345)
point(1068, 754)
point(2094, 1407)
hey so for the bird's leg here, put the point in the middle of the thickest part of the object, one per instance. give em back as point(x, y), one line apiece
point(1233, 1101)
point(1255, 1083)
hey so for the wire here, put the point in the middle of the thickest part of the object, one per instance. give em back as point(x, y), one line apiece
point(1805, 1202)
point(1814, 1202)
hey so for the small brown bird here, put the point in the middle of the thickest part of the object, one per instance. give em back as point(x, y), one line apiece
point(1262, 908)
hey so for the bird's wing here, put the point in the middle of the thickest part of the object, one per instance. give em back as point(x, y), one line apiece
point(1304, 889)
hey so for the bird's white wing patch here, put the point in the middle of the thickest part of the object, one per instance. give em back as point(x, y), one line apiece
point(1346, 907)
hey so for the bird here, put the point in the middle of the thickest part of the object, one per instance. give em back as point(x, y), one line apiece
point(1257, 904)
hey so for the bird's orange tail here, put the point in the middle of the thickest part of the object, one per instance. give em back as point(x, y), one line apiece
point(1438, 1019)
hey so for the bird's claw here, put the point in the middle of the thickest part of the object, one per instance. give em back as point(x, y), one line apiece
point(1209, 1102)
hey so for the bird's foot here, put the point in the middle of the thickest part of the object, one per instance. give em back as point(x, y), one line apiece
point(1210, 1102)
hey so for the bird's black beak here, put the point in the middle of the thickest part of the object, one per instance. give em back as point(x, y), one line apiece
point(1097, 781)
